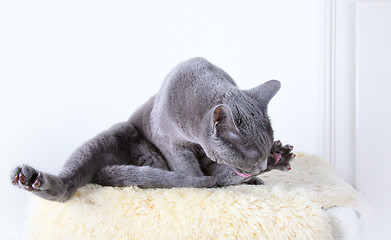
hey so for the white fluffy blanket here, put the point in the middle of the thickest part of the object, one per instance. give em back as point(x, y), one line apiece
point(289, 206)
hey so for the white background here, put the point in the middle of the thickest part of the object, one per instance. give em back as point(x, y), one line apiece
point(374, 107)
point(69, 70)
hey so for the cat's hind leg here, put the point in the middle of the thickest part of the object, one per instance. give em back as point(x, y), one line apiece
point(114, 146)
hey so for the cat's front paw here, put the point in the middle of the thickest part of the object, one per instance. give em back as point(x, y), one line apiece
point(27, 177)
point(255, 181)
point(280, 156)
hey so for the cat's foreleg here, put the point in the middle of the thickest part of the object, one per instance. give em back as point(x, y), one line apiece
point(105, 149)
point(183, 160)
point(148, 177)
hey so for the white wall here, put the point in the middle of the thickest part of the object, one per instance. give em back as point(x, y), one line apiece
point(344, 90)
point(373, 107)
point(69, 70)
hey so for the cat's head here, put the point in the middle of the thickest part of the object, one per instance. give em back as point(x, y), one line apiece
point(239, 133)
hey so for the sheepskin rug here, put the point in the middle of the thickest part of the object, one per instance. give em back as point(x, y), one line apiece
point(291, 205)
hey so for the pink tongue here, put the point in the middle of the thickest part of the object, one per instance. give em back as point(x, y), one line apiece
point(242, 174)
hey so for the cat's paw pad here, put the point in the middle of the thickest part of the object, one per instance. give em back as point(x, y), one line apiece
point(276, 157)
point(27, 177)
point(280, 156)
point(255, 181)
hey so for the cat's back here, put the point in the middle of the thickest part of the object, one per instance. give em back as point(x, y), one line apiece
point(194, 80)
point(197, 73)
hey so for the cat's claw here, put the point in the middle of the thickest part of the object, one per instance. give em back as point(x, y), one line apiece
point(27, 177)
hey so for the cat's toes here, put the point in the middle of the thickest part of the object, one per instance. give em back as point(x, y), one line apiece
point(15, 176)
point(288, 146)
point(287, 153)
point(279, 152)
point(280, 156)
point(27, 177)
point(255, 181)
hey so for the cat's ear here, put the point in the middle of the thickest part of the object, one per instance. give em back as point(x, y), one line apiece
point(264, 92)
point(222, 116)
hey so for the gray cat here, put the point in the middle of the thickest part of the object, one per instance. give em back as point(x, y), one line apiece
point(200, 130)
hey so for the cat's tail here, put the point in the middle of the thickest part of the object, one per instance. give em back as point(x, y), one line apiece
point(148, 177)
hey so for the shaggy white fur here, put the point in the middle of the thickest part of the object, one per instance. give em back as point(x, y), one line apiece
point(289, 206)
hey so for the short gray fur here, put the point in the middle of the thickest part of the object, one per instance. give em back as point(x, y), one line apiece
point(200, 130)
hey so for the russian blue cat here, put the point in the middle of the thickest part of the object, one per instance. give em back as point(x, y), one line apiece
point(199, 130)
